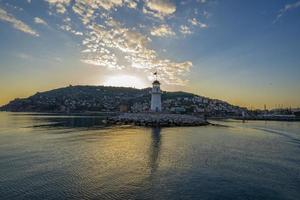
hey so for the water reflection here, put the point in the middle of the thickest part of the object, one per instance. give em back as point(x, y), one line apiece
point(154, 150)
point(245, 161)
point(68, 121)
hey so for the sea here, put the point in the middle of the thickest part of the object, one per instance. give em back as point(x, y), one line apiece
point(49, 156)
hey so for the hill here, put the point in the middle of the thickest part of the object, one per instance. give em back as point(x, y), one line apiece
point(110, 99)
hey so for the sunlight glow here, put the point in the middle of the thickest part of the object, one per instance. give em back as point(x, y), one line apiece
point(124, 81)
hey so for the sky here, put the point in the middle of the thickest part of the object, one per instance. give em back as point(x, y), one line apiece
point(244, 52)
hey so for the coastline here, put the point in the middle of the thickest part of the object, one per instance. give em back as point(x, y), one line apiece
point(269, 118)
point(114, 114)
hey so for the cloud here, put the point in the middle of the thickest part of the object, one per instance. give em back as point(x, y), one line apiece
point(38, 20)
point(162, 31)
point(83, 11)
point(69, 29)
point(195, 22)
point(58, 1)
point(185, 30)
point(60, 5)
point(116, 47)
point(109, 4)
point(109, 43)
point(97, 4)
point(285, 9)
point(83, 7)
point(16, 23)
point(159, 8)
point(24, 56)
point(88, 10)
point(201, 1)
point(131, 4)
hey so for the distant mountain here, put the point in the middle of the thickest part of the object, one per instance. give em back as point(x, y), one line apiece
point(110, 99)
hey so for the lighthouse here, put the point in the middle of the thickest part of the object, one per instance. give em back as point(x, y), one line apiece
point(155, 96)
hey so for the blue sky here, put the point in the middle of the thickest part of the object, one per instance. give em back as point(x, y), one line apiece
point(244, 52)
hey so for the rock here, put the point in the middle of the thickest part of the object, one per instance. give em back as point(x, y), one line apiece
point(157, 119)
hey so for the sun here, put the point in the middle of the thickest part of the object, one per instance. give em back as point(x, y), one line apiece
point(124, 81)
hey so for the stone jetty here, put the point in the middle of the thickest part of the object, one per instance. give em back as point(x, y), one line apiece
point(157, 120)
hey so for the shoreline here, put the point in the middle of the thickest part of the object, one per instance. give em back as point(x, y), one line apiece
point(108, 114)
point(288, 119)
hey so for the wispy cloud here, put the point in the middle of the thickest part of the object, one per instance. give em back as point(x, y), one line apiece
point(24, 56)
point(16, 23)
point(159, 8)
point(162, 31)
point(131, 4)
point(38, 20)
point(185, 30)
point(110, 43)
point(286, 8)
point(196, 22)
point(201, 1)
point(60, 5)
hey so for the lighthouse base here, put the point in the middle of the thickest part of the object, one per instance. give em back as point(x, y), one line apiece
point(157, 120)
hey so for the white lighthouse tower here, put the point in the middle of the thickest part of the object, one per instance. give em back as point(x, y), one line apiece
point(156, 96)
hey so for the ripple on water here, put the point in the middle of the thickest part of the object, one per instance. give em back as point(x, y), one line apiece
point(235, 161)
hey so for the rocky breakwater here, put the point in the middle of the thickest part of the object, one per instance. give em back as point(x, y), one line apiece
point(157, 120)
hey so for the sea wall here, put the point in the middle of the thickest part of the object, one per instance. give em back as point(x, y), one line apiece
point(157, 120)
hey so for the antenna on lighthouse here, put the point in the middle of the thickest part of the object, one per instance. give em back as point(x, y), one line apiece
point(155, 74)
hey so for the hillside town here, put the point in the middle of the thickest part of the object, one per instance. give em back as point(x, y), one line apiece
point(118, 99)
point(78, 99)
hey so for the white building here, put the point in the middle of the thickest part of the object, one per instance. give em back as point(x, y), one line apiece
point(156, 97)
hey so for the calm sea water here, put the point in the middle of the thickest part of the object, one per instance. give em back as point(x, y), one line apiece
point(63, 157)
